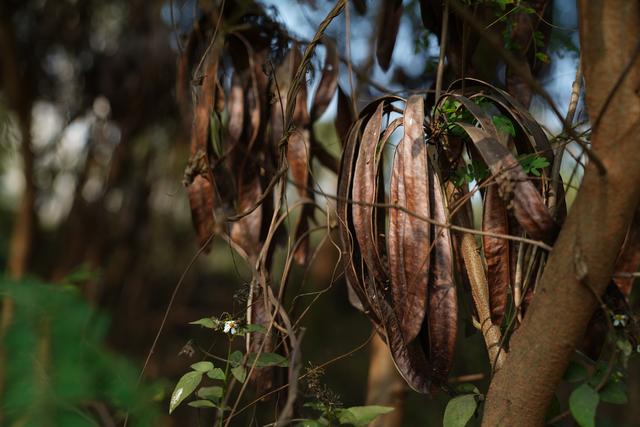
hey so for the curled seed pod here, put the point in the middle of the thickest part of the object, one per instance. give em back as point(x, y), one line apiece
point(408, 235)
point(387, 32)
point(520, 194)
point(328, 83)
point(442, 316)
point(496, 252)
point(351, 257)
point(365, 193)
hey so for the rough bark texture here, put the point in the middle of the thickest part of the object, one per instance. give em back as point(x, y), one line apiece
point(583, 258)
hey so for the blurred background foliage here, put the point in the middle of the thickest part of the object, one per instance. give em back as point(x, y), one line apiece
point(93, 82)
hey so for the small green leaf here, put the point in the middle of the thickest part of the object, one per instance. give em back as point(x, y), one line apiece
point(235, 358)
point(583, 403)
point(202, 366)
point(212, 393)
point(184, 388)
point(202, 404)
point(268, 359)
point(216, 137)
point(575, 373)
point(216, 374)
point(614, 392)
point(362, 415)
point(346, 417)
point(504, 125)
point(318, 406)
point(459, 411)
point(206, 322)
point(240, 373)
point(532, 164)
point(467, 388)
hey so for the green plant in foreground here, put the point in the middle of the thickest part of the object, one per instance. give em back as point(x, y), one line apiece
point(58, 367)
point(326, 405)
point(216, 391)
point(236, 365)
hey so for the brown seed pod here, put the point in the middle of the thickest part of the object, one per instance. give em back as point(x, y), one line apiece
point(496, 252)
point(442, 316)
point(408, 235)
point(387, 32)
point(519, 193)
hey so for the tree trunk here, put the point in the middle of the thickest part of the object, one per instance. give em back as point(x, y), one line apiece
point(583, 258)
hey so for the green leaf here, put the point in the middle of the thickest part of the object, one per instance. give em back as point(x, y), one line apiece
point(216, 374)
point(614, 392)
point(467, 388)
point(362, 415)
point(202, 366)
point(532, 164)
point(202, 404)
point(318, 406)
point(575, 373)
point(206, 322)
point(212, 393)
point(240, 373)
point(459, 411)
point(186, 385)
point(268, 359)
point(504, 125)
point(583, 403)
point(598, 376)
point(235, 358)
point(346, 417)
point(216, 138)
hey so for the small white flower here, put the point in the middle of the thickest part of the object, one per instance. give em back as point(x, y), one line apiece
point(230, 327)
point(619, 320)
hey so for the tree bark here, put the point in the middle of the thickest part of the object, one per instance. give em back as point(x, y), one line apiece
point(583, 258)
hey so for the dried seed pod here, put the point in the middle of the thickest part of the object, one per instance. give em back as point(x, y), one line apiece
point(496, 252)
point(328, 83)
point(387, 32)
point(442, 316)
point(519, 193)
point(408, 235)
point(365, 193)
point(351, 257)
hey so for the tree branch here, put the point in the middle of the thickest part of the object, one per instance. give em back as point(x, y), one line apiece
point(583, 258)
